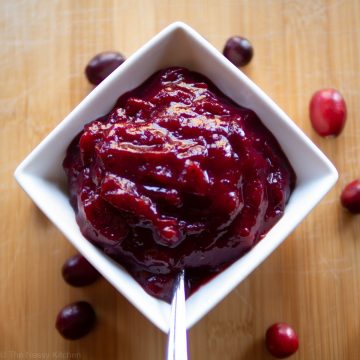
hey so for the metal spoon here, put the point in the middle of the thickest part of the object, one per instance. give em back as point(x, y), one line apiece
point(177, 342)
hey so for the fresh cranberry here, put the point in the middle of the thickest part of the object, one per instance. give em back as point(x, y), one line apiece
point(281, 340)
point(76, 320)
point(102, 65)
point(238, 50)
point(77, 271)
point(350, 196)
point(327, 112)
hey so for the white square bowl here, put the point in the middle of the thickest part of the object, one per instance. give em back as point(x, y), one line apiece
point(42, 177)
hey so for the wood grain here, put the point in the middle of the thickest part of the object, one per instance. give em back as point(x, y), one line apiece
point(312, 281)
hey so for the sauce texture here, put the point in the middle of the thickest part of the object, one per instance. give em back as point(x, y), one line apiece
point(176, 176)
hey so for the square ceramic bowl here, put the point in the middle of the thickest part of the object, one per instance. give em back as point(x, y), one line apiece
point(42, 177)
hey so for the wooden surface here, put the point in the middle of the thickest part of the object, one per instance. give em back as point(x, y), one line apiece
point(312, 281)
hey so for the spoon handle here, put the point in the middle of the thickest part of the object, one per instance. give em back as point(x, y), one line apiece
point(177, 342)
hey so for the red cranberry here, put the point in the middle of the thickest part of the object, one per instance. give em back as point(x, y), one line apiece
point(77, 271)
point(238, 50)
point(281, 340)
point(75, 320)
point(327, 112)
point(102, 65)
point(350, 196)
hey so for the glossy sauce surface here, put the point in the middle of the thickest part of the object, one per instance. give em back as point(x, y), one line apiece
point(176, 176)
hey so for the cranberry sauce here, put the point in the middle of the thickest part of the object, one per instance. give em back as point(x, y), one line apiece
point(176, 176)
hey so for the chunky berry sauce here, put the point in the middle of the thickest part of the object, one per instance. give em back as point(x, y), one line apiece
point(176, 176)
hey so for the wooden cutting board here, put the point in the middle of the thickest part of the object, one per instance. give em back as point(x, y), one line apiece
point(312, 281)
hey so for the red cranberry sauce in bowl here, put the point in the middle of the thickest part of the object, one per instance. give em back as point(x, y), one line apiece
point(176, 176)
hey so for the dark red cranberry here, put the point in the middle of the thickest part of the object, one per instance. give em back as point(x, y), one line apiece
point(238, 50)
point(350, 197)
point(328, 112)
point(281, 340)
point(77, 271)
point(76, 320)
point(102, 65)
